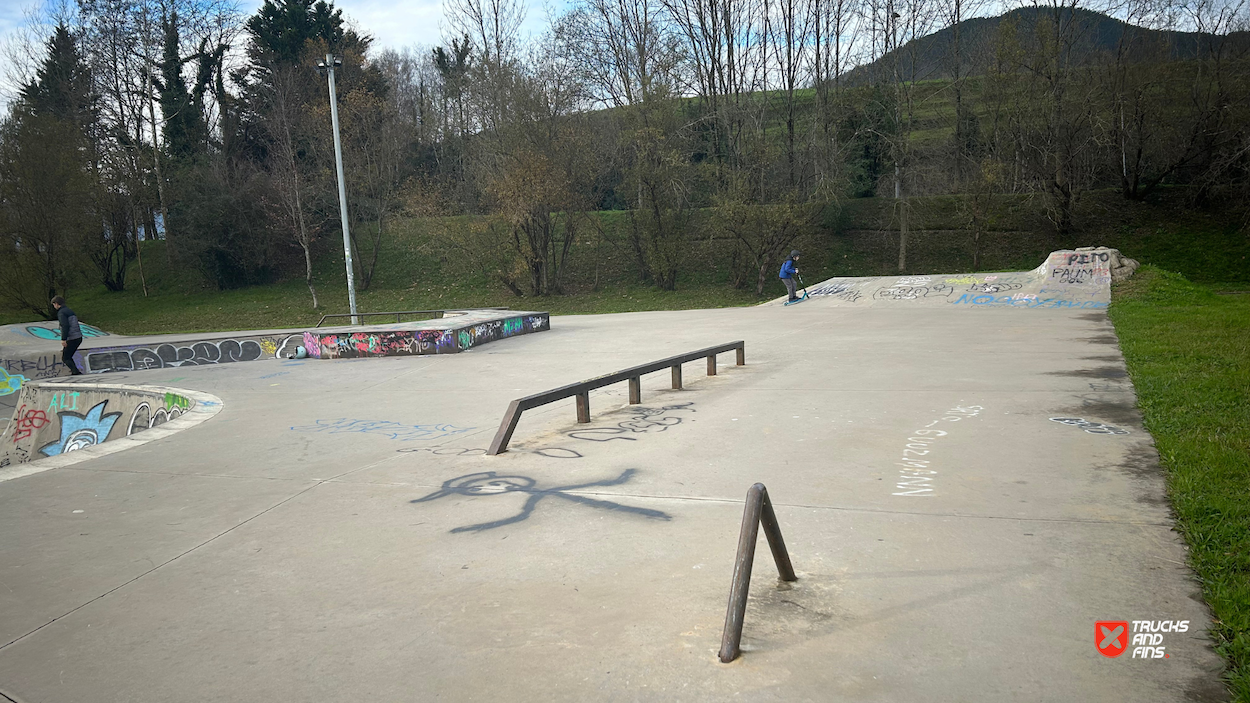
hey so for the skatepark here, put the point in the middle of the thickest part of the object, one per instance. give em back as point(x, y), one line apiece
point(956, 462)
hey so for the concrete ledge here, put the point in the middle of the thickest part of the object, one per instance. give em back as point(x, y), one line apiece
point(60, 423)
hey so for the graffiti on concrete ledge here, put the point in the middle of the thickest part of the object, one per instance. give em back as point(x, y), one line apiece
point(169, 355)
point(81, 431)
point(489, 483)
point(386, 428)
point(144, 417)
point(10, 383)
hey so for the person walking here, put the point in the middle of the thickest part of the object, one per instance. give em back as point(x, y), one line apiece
point(790, 270)
point(71, 334)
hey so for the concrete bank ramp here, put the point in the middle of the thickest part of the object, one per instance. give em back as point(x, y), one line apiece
point(58, 423)
point(1076, 279)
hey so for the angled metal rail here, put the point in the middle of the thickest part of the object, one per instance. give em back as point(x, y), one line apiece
point(759, 509)
point(582, 389)
point(436, 313)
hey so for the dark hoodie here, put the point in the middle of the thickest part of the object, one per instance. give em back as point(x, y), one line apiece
point(69, 324)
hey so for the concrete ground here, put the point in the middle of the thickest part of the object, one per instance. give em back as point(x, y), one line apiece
point(300, 545)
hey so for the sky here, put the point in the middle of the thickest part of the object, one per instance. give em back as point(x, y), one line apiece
point(392, 23)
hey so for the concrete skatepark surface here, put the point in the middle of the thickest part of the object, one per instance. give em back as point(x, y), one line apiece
point(32, 351)
point(335, 534)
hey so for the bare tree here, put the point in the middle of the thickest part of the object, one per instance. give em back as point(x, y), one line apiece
point(285, 97)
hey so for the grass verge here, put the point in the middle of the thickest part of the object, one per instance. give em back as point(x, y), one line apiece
point(1188, 352)
point(288, 304)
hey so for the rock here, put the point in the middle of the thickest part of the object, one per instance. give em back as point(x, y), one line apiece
point(1120, 265)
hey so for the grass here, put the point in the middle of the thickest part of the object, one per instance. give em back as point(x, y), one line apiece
point(1188, 352)
point(289, 305)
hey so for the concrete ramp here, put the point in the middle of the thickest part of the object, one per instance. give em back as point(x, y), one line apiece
point(1078, 279)
point(58, 423)
point(32, 351)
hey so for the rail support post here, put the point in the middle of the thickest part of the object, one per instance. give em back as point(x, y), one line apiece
point(711, 365)
point(677, 377)
point(583, 407)
point(635, 390)
point(759, 509)
point(742, 355)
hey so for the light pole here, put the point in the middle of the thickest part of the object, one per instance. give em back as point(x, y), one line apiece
point(327, 67)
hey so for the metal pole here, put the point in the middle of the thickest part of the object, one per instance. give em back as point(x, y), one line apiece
point(758, 509)
point(338, 162)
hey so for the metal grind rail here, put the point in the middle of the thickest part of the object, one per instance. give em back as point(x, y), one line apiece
point(582, 390)
point(436, 313)
point(759, 509)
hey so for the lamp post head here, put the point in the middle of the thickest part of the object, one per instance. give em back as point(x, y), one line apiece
point(330, 63)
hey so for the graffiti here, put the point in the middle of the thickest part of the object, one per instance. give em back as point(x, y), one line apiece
point(173, 400)
point(1021, 300)
point(63, 401)
point(268, 347)
point(641, 420)
point(443, 451)
point(273, 375)
point(1092, 257)
point(168, 355)
point(81, 431)
point(386, 428)
point(839, 291)
point(1090, 427)
point(348, 345)
point(10, 383)
point(917, 475)
point(144, 418)
point(899, 292)
point(960, 280)
point(913, 281)
point(49, 366)
point(993, 287)
point(355, 345)
point(489, 483)
point(28, 420)
point(1079, 276)
point(55, 332)
point(476, 335)
point(312, 345)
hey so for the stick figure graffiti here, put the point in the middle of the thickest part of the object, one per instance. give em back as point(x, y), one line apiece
point(488, 483)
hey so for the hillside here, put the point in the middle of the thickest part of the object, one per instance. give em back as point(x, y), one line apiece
point(1093, 38)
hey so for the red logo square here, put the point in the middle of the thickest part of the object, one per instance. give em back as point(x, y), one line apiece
point(1111, 637)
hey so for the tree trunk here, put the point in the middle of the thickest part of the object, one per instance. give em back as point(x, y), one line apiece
point(308, 274)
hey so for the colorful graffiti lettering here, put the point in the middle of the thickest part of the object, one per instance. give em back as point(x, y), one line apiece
point(55, 333)
point(173, 400)
point(386, 428)
point(81, 431)
point(10, 383)
point(1026, 301)
point(63, 401)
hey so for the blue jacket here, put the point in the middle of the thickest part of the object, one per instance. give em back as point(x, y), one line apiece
point(788, 269)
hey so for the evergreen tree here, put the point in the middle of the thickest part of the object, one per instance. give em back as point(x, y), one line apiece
point(185, 130)
point(62, 86)
point(281, 28)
